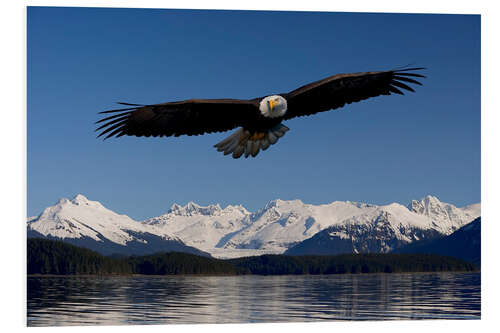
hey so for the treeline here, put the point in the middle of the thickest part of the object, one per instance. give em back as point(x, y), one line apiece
point(173, 263)
point(349, 263)
point(56, 257)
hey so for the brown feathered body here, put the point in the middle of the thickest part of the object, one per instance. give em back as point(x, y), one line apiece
point(260, 118)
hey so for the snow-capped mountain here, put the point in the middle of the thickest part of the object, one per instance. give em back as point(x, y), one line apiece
point(235, 232)
point(389, 227)
point(445, 216)
point(88, 223)
point(382, 230)
point(465, 243)
point(202, 227)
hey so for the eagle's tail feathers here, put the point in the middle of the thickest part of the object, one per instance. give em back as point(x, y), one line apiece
point(248, 148)
point(227, 141)
point(264, 143)
point(243, 142)
point(238, 151)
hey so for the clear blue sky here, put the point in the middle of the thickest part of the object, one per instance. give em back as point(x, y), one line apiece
point(391, 148)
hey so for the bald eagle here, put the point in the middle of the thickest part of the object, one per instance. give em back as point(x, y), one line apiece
point(259, 119)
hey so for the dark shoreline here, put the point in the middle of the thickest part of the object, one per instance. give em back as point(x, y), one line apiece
point(228, 275)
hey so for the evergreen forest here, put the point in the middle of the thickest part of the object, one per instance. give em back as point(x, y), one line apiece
point(60, 258)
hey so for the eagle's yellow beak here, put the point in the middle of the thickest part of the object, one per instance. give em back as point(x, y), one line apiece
point(271, 104)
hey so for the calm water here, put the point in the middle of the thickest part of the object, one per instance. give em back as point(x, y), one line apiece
point(241, 299)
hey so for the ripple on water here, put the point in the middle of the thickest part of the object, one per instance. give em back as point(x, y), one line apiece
point(55, 301)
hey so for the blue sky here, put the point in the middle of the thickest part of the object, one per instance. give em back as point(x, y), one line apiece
point(391, 148)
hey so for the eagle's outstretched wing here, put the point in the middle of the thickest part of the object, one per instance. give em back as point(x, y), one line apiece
point(189, 117)
point(335, 91)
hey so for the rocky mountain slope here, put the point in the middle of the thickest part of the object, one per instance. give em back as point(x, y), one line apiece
point(465, 243)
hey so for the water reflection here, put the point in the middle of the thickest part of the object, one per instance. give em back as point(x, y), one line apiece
point(56, 301)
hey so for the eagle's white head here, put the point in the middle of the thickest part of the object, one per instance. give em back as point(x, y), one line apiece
point(273, 106)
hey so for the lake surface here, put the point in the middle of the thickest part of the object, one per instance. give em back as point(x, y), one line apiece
point(55, 301)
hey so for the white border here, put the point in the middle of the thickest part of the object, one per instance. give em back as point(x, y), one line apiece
point(13, 139)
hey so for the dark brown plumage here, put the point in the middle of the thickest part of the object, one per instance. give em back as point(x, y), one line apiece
point(335, 91)
point(199, 116)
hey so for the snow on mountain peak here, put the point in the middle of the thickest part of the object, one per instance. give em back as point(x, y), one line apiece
point(446, 215)
point(233, 231)
point(62, 201)
point(283, 203)
point(79, 198)
point(81, 217)
point(194, 209)
point(424, 205)
point(201, 227)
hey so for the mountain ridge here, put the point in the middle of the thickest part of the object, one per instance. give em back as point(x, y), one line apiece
point(88, 223)
point(464, 243)
point(273, 229)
